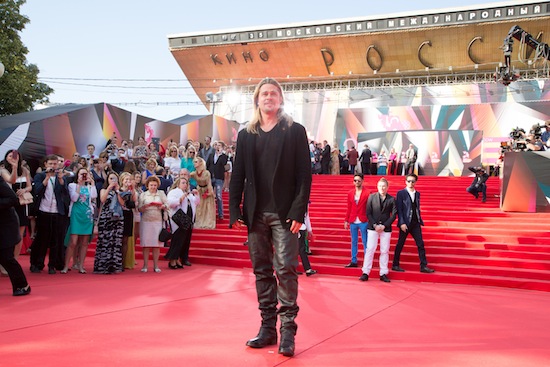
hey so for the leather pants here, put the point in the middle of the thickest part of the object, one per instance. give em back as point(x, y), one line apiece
point(272, 247)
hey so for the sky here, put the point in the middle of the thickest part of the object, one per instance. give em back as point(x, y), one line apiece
point(116, 51)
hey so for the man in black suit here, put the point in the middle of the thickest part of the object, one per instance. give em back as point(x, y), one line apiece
point(272, 167)
point(52, 195)
point(381, 212)
point(325, 158)
point(365, 159)
point(410, 221)
point(478, 184)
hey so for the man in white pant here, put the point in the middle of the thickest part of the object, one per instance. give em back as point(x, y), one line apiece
point(381, 212)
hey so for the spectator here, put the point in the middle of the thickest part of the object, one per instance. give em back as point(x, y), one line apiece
point(381, 212)
point(150, 169)
point(165, 180)
point(392, 162)
point(51, 195)
point(410, 156)
point(335, 161)
point(181, 198)
point(206, 151)
point(129, 195)
point(365, 159)
point(305, 234)
point(173, 162)
point(152, 205)
point(9, 226)
point(382, 163)
point(216, 165)
point(108, 252)
point(353, 156)
point(99, 174)
point(356, 217)
point(141, 154)
point(119, 162)
point(325, 158)
point(83, 196)
point(187, 163)
point(22, 186)
point(206, 210)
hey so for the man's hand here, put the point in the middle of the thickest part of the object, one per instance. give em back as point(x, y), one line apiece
point(345, 225)
point(404, 227)
point(295, 226)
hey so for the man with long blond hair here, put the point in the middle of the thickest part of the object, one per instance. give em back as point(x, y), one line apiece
point(272, 168)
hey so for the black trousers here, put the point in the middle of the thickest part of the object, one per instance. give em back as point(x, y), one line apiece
point(179, 245)
point(303, 250)
point(415, 229)
point(273, 247)
point(8, 261)
point(50, 233)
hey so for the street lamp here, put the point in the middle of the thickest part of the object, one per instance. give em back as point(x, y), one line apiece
point(213, 99)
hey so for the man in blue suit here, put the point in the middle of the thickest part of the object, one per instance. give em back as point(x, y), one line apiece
point(410, 221)
point(272, 168)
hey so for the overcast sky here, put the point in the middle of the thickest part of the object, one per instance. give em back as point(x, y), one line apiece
point(122, 39)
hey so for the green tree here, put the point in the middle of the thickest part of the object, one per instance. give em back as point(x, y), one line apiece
point(19, 86)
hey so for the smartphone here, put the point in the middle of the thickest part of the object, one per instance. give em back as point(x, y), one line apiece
point(15, 154)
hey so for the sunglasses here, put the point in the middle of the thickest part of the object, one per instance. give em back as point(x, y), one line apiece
point(411, 181)
point(357, 180)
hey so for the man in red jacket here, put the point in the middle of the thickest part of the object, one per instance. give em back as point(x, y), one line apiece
point(356, 217)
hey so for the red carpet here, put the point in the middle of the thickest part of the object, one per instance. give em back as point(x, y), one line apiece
point(467, 242)
point(202, 316)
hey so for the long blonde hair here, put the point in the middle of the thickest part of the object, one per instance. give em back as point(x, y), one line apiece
point(254, 123)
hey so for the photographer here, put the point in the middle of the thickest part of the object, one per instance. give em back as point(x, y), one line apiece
point(545, 136)
point(478, 184)
point(534, 143)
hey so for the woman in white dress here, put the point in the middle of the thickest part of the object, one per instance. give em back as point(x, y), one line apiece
point(152, 205)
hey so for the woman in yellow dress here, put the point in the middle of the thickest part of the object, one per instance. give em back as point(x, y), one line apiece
point(206, 210)
point(335, 161)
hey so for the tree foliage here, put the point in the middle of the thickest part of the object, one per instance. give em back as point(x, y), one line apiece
point(19, 86)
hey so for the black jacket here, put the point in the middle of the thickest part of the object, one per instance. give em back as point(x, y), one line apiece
point(9, 221)
point(292, 176)
point(381, 215)
point(217, 170)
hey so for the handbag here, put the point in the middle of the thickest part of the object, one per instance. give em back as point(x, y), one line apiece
point(26, 198)
point(182, 220)
point(166, 232)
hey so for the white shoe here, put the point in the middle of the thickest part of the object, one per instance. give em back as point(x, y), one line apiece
point(157, 270)
point(144, 270)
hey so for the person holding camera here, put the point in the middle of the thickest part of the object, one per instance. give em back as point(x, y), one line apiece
point(83, 196)
point(51, 194)
point(478, 184)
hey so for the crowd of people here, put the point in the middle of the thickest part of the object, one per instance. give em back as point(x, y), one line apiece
point(118, 195)
point(331, 161)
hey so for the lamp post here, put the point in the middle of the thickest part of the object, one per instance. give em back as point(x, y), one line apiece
point(213, 99)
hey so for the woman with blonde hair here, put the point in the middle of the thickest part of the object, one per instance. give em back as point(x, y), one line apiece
point(182, 198)
point(187, 162)
point(152, 205)
point(130, 198)
point(206, 210)
point(150, 169)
